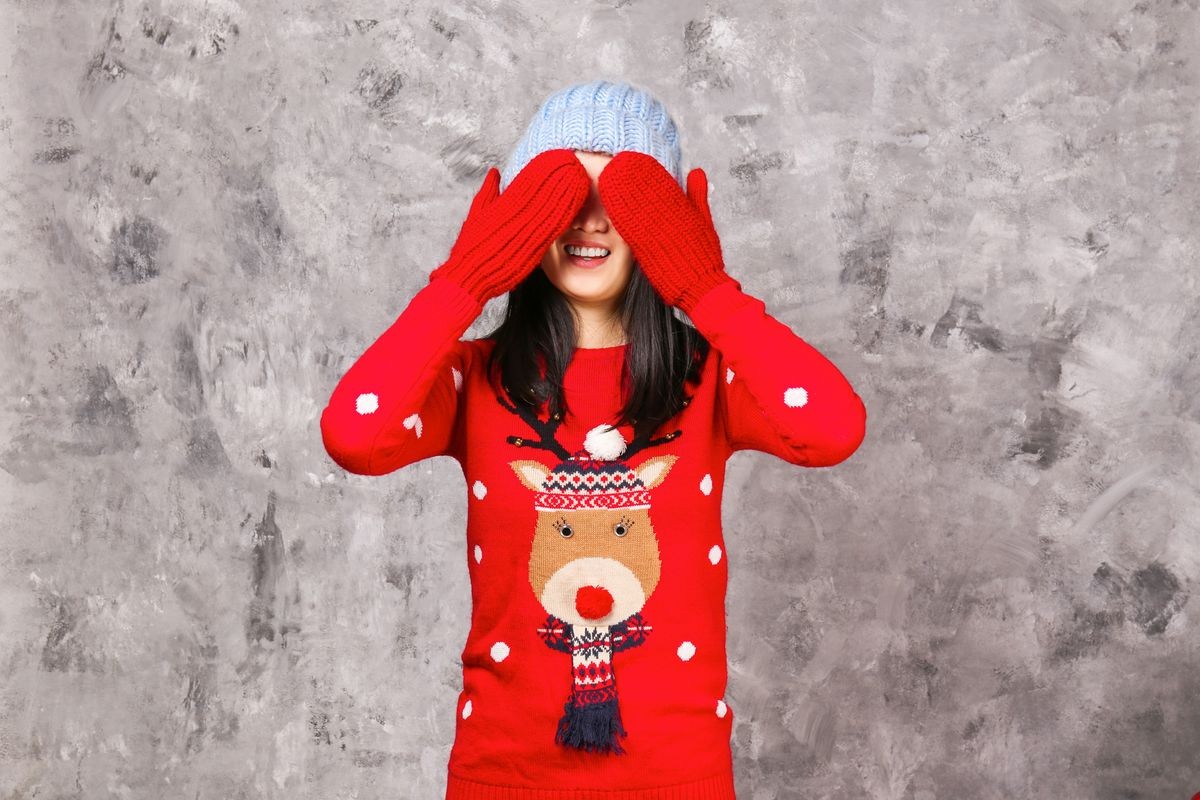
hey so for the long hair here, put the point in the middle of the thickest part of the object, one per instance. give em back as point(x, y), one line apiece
point(536, 340)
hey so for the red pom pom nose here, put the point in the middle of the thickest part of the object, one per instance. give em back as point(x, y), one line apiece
point(593, 602)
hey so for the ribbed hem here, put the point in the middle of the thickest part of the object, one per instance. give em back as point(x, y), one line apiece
point(612, 351)
point(714, 310)
point(459, 307)
point(718, 787)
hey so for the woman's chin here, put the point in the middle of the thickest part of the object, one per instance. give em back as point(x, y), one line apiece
point(586, 288)
point(581, 284)
point(589, 285)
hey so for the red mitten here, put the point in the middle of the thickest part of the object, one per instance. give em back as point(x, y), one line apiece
point(506, 233)
point(671, 233)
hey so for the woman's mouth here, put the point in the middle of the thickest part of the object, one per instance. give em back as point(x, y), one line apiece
point(586, 257)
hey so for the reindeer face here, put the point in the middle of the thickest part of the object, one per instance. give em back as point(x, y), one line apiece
point(594, 566)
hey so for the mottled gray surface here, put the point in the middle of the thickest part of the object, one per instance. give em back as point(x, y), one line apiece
point(984, 213)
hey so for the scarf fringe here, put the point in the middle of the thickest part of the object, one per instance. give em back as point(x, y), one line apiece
point(595, 727)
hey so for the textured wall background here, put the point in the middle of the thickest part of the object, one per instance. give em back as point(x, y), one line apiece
point(984, 212)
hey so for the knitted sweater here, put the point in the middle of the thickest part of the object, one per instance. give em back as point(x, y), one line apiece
point(597, 564)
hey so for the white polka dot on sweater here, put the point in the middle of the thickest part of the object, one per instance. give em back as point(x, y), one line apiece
point(728, 375)
point(457, 379)
point(706, 483)
point(714, 555)
point(721, 708)
point(499, 651)
point(795, 396)
point(479, 489)
point(367, 403)
point(414, 421)
point(686, 651)
point(467, 710)
point(478, 554)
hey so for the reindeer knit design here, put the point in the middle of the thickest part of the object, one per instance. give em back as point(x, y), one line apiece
point(595, 663)
point(592, 716)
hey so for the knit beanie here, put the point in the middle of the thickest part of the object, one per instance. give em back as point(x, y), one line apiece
point(599, 116)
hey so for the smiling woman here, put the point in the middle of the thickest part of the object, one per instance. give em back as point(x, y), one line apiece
point(592, 429)
point(590, 264)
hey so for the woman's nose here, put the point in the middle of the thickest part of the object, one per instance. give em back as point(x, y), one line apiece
point(592, 213)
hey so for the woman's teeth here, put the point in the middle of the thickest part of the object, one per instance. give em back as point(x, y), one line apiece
point(586, 252)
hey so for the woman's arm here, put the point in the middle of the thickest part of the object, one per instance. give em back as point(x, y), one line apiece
point(780, 395)
point(777, 393)
point(399, 401)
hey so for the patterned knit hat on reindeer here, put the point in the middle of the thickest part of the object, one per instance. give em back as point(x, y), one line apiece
point(599, 116)
point(594, 477)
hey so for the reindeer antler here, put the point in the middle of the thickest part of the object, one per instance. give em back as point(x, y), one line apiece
point(642, 441)
point(545, 430)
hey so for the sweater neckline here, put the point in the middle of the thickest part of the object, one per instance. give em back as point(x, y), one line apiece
point(599, 353)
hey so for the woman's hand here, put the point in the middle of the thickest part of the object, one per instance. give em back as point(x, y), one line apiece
point(671, 233)
point(506, 233)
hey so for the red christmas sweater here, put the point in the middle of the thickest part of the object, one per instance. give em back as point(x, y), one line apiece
point(597, 564)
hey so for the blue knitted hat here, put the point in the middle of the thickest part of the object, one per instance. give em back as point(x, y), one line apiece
point(600, 116)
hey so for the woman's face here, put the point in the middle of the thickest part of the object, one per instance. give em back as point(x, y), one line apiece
point(590, 279)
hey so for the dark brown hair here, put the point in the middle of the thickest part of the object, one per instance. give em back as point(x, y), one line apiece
point(664, 356)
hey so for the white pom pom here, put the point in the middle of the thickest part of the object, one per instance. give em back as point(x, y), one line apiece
point(604, 442)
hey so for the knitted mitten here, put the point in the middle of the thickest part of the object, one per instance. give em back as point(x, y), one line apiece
point(506, 233)
point(671, 233)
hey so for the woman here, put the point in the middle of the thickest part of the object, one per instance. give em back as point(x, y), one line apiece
point(592, 428)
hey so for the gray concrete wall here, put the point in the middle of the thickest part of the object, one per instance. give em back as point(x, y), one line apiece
point(983, 212)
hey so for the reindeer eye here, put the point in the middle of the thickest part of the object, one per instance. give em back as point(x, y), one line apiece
point(622, 527)
point(564, 528)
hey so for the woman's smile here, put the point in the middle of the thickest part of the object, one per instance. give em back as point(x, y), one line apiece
point(586, 254)
point(590, 262)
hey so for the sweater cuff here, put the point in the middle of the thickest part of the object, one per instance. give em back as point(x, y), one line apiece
point(451, 301)
point(717, 306)
point(701, 283)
